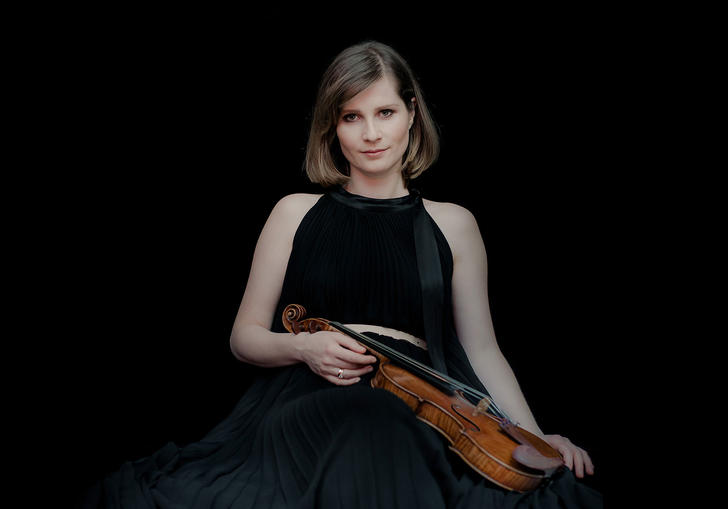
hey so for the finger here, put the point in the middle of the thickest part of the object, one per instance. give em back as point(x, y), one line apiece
point(351, 373)
point(337, 363)
point(342, 381)
point(348, 366)
point(578, 463)
point(351, 344)
point(356, 347)
point(355, 358)
point(588, 464)
point(568, 457)
point(358, 371)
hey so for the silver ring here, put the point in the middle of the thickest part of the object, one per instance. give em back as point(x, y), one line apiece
point(341, 373)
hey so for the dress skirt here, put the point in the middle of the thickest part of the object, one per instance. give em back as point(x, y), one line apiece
point(295, 440)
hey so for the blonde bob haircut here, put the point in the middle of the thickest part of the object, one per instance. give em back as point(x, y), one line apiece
point(352, 71)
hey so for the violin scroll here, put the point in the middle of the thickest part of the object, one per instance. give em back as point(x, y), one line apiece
point(293, 320)
point(291, 315)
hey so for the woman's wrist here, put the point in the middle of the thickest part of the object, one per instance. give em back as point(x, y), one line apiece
point(259, 346)
point(298, 345)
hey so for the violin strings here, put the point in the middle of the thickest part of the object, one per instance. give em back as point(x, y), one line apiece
point(395, 354)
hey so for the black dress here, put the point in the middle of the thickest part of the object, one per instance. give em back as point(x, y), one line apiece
point(294, 439)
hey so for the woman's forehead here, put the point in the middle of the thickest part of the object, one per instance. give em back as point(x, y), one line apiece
point(380, 93)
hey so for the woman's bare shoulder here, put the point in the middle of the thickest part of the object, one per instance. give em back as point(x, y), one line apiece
point(290, 210)
point(457, 223)
point(298, 202)
point(450, 217)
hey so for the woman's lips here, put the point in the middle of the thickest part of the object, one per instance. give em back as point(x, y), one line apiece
point(374, 153)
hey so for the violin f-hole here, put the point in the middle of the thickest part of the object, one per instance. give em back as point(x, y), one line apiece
point(456, 409)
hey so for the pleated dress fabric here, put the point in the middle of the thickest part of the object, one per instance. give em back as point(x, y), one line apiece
point(294, 440)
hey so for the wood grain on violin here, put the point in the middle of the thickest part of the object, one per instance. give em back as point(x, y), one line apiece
point(478, 431)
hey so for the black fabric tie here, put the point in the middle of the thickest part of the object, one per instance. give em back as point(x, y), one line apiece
point(428, 264)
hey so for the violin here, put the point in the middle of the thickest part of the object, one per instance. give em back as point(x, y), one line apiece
point(479, 432)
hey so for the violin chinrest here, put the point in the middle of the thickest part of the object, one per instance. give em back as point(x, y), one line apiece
point(528, 456)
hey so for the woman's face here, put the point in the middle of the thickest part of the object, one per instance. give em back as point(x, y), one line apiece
point(373, 129)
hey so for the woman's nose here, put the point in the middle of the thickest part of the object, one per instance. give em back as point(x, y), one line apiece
point(371, 131)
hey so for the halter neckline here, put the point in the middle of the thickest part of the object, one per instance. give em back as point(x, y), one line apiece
point(376, 204)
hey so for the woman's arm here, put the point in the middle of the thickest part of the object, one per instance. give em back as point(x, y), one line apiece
point(474, 326)
point(253, 342)
point(471, 311)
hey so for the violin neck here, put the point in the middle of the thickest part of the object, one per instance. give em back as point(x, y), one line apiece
point(433, 376)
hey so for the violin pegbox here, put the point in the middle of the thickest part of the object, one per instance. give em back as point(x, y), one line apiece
point(293, 320)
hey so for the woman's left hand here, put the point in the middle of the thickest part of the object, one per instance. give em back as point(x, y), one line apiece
point(576, 458)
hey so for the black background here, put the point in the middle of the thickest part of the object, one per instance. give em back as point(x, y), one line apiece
point(177, 133)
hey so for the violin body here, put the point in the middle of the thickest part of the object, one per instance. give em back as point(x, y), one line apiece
point(497, 449)
point(475, 436)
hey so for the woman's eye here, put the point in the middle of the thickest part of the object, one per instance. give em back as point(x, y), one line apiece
point(353, 117)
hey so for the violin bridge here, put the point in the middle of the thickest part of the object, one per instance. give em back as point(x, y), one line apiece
point(483, 406)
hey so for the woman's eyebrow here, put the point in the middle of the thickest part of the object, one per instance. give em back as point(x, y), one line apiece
point(354, 110)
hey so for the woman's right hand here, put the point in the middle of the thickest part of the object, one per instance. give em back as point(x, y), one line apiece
point(326, 352)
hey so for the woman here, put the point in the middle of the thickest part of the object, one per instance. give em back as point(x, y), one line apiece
point(310, 431)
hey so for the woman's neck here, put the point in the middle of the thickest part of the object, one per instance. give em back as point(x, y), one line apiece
point(381, 188)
